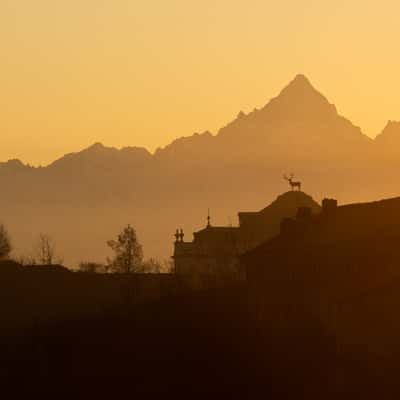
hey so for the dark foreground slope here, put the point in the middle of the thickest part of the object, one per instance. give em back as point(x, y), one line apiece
point(203, 344)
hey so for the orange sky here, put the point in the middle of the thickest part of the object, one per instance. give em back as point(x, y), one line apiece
point(130, 72)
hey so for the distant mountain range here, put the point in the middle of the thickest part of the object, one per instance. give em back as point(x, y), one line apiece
point(84, 198)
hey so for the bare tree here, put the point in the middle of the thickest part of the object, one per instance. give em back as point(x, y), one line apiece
point(169, 266)
point(128, 252)
point(26, 260)
point(92, 267)
point(152, 266)
point(46, 251)
point(5, 243)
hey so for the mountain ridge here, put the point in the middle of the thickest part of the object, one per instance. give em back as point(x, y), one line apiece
point(291, 96)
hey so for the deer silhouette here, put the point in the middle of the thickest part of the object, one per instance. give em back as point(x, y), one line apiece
point(293, 184)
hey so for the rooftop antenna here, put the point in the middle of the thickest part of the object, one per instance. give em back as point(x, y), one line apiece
point(208, 219)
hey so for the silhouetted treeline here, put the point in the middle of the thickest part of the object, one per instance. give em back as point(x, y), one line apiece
point(34, 294)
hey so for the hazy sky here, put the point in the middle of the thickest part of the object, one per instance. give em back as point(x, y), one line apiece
point(126, 72)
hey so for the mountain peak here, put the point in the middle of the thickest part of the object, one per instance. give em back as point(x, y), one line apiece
point(13, 163)
point(391, 126)
point(300, 85)
point(96, 146)
point(300, 80)
point(390, 134)
point(300, 99)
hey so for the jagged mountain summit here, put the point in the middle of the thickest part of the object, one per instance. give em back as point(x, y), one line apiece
point(388, 140)
point(84, 198)
point(300, 100)
point(100, 156)
point(299, 120)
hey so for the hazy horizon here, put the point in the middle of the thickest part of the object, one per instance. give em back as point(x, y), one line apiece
point(129, 74)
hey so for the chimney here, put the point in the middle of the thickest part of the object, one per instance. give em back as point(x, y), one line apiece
point(177, 236)
point(329, 206)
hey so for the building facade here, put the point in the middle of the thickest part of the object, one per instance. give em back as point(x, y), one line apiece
point(215, 250)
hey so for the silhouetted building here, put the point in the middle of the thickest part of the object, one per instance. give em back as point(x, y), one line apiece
point(337, 265)
point(215, 250)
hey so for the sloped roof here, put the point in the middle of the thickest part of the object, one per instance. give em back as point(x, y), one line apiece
point(348, 222)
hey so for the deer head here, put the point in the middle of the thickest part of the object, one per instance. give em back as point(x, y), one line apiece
point(290, 178)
